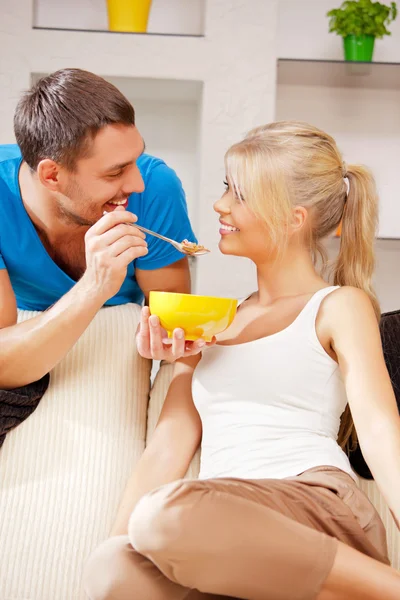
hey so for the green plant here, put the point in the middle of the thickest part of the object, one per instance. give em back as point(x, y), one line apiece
point(362, 17)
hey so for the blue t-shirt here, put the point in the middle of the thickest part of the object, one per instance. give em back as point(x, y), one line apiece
point(37, 280)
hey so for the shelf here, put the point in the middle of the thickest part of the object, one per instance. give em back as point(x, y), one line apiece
point(303, 33)
point(173, 18)
point(147, 89)
point(127, 33)
point(342, 74)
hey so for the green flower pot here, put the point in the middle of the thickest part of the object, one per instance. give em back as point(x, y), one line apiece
point(359, 47)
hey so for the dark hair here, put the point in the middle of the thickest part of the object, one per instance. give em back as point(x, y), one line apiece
point(61, 114)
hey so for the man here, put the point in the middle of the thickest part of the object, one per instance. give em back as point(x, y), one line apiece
point(79, 155)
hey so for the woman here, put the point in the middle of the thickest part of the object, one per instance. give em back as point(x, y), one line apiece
point(276, 513)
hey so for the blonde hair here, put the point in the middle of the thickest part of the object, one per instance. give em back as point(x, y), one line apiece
point(288, 163)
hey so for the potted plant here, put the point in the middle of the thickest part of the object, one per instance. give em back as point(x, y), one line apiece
point(359, 22)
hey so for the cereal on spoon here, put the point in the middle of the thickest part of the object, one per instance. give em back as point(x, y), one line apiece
point(191, 247)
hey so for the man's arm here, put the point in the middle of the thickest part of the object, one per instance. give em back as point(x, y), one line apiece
point(8, 303)
point(173, 278)
point(30, 349)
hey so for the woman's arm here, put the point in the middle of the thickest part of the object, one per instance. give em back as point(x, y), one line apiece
point(357, 343)
point(171, 447)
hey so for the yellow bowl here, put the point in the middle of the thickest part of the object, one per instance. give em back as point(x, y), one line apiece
point(198, 316)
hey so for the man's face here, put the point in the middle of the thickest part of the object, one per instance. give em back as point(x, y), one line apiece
point(105, 178)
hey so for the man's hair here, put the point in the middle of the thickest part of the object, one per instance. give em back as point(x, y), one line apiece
point(61, 114)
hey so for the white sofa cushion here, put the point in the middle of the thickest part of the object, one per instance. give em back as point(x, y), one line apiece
point(63, 470)
point(393, 535)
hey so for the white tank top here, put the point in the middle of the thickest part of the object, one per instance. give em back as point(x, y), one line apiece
point(271, 408)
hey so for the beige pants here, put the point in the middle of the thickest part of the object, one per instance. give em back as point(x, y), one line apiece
point(258, 539)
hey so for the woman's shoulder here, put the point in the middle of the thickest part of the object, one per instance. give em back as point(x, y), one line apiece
point(347, 297)
point(345, 307)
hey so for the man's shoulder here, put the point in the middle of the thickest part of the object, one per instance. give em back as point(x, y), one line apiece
point(9, 152)
point(152, 167)
point(163, 190)
point(10, 157)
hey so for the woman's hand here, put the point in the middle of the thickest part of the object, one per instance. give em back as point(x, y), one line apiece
point(152, 340)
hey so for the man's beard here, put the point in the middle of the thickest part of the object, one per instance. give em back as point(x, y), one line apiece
point(72, 218)
point(74, 193)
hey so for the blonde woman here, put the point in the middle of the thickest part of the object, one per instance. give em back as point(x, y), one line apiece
point(276, 513)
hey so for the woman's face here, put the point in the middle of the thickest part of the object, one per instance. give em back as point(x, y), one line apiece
point(242, 232)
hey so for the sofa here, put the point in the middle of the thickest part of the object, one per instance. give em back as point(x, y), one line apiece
point(63, 469)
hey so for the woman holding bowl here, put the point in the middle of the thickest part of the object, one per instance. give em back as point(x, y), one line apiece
point(276, 513)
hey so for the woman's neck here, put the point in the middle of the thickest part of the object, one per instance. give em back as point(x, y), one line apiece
point(293, 274)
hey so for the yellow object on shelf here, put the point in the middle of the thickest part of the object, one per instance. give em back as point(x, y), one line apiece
point(128, 15)
point(198, 316)
point(339, 230)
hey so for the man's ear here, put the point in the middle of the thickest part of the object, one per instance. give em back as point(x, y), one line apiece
point(48, 172)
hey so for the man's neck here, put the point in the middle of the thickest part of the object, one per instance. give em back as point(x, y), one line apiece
point(41, 207)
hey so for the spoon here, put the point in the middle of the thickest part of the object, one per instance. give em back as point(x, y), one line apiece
point(187, 249)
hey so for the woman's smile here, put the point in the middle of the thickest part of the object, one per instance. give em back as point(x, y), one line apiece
point(226, 228)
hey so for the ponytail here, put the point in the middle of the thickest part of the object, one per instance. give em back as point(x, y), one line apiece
point(356, 261)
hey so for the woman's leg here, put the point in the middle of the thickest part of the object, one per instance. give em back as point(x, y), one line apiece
point(221, 537)
point(355, 576)
point(116, 572)
point(206, 535)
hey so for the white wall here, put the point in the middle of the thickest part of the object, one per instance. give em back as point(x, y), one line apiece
point(303, 32)
point(172, 16)
point(159, 122)
point(386, 280)
point(366, 125)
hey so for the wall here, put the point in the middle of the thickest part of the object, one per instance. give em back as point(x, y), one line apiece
point(386, 281)
point(366, 125)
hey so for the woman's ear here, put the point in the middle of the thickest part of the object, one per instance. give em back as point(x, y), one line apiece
point(299, 219)
point(48, 172)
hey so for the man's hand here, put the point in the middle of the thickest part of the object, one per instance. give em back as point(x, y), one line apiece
point(152, 340)
point(111, 244)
